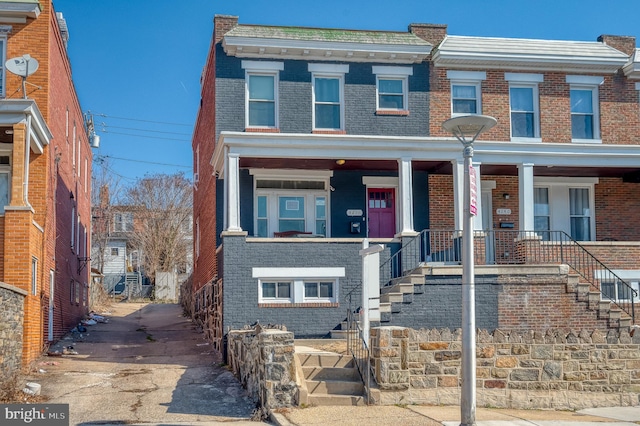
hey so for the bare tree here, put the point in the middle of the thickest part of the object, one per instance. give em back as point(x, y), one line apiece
point(162, 208)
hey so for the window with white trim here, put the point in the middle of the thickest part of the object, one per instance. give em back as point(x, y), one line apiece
point(328, 95)
point(524, 105)
point(298, 285)
point(123, 222)
point(5, 182)
point(34, 276)
point(261, 93)
point(619, 285)
point(291, 203)
point(585, 111)
point(392, 87)
point(466, 96)
point(564, 204)
point(73, 227)
point(3, 59)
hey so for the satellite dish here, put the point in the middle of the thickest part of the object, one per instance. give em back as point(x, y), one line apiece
point(23, 65)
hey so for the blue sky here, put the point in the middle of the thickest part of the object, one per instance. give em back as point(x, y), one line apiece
point(137, 63)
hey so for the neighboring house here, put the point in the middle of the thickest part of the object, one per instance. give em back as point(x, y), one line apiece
point(309, 140)
point(45, 175)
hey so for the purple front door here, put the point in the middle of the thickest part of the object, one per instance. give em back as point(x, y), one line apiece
point(381, 212)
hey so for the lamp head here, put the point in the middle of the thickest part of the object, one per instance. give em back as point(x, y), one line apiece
point(466, 128)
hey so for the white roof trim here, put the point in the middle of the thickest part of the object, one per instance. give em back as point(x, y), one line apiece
point(521, 77)
point(14, 111)
point(252, 47)
point(458, 52)
point(290, 173)
point(285, 272)
point(262, 65)
point(358, 147)
point(390, 70)
point(632, 69)
point(585, 79)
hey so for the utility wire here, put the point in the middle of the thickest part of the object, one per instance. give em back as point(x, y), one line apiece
point(135, 119)
point(104, 127)
point(144, 136)
point(141, 161)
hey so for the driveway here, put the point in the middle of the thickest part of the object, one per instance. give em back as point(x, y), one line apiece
point(148, 364)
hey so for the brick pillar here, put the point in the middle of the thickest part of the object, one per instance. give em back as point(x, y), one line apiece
point(528, 249)
point(17, 166)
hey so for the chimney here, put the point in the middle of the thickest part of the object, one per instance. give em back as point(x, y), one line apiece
point(104, 196)
point(222, 24)
point(625, 44)
point(433, 33)
point(64, 30)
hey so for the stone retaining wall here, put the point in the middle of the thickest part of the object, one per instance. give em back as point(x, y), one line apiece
point(530, 370)
point(11, 329)
point(263, 361)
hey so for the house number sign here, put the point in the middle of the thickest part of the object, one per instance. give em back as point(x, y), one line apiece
point(354, 212)
point(503, 211)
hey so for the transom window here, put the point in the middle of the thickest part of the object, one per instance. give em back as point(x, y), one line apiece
point(465, 92)
point(328, 96)
point(261, 93)
point(585, 120)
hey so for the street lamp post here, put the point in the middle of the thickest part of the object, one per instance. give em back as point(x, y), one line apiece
point(466, 129)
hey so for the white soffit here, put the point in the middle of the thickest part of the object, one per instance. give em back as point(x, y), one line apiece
point(528, 54)
point(632, 69)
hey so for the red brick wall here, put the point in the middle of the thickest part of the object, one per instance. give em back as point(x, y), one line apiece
point(619, 109)
point(617, 207)
point(204, 196)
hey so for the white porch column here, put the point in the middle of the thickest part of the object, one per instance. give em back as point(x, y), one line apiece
point(458, 192)
point(405, 193)
point(525, 193)
point(232, 192)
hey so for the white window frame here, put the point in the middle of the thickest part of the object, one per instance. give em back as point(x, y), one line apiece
point(3, 71)
point(393, 73)
point(297, 277)
point(526, 81)
point(588, 83)
point(73, 227)
point(319, 299)
point(197, 237)
point(34, 275)
point(467, 78)
point(631, 276)
point(559, 210)
point(121, 226)
point(329, 71)
point(6, 169)
point(262, 68)
point(274, 194)
point(276, 299)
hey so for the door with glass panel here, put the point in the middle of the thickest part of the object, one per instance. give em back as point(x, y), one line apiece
point(381, 212)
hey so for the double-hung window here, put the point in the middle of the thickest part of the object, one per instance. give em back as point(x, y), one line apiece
point(392, 87)
point(564, 205)
point(524, 106)
point(328, 96)
point(3, 59)
point(585, 111)
point(465, 92)
point(261, 93)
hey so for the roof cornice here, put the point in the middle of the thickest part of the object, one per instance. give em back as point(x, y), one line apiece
point(632, 69)
point(320, 50)
point(527, 54)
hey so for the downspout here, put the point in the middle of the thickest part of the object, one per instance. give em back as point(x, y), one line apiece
point(27, 144)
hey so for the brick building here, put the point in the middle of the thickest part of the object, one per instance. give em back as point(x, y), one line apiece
point(310, 140)
point(46, 170)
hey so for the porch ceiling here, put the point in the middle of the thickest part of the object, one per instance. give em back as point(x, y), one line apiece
point(435, 167)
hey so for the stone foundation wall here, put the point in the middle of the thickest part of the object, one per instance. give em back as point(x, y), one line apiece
point(263, 360)
point(528, 370)
point(11, 326)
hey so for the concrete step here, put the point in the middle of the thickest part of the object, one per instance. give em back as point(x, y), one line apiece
point(572, 283)
point(604, 306)
point(329, 400)
point(594, 299)
point(625, 322)
point(385, 307)
point(582, 289)
point(325, 360)
point(615, 314)
point(391, 297)
point(398, 288)
point(335, 387)
point(331, 373)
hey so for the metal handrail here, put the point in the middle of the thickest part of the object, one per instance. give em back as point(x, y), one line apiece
point(508, 247)
point(357, 345)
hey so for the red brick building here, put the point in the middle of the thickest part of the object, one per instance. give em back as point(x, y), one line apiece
point(46, 164)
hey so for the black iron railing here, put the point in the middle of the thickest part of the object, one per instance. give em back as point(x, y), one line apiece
point(356, 343)
point(511, 247)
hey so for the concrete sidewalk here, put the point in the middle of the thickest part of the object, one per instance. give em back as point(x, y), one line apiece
point(450, 416)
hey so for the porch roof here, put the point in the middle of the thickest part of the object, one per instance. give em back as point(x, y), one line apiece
point(432, 153)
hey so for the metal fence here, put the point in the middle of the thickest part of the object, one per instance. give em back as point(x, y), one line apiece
point(356, 343)
point(512, 247)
